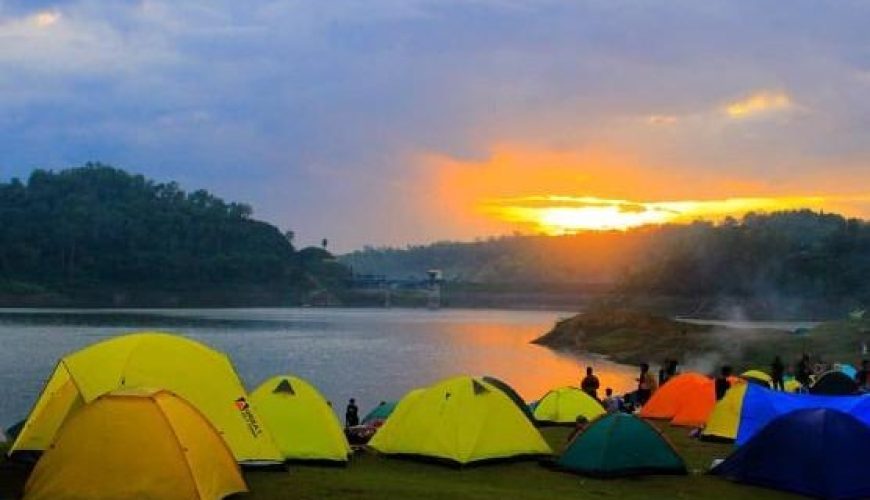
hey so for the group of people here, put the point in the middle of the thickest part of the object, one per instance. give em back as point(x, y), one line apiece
point(612, 403)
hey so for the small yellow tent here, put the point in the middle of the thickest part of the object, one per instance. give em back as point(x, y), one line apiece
point(459, 420)
point(203, 377)
point(136, 444)
point(565, 404)
point(725, 418)
point(300, 421)
point(792, 385)
point(758, 376)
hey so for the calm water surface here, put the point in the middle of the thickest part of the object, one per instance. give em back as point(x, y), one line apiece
point(369, 354)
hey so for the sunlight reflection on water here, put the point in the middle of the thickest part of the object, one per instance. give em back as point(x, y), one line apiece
point(369, 354)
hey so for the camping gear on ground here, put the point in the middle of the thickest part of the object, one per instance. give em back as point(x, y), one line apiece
point(511, 393)
point(203, 377)
point(562, 406)
point(725, 417)
point(757, 377)
point(136, 443)
point(761, 406)
point(816, 452)
point(619, 444)
point(379, 413)
point(459, 420)
point(686, 400)
point(301, 423)
point(834, 383)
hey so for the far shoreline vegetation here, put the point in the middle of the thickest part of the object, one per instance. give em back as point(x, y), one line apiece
point(97, 236)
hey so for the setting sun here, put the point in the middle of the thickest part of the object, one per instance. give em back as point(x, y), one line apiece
point(563, 192)
point(557, 215)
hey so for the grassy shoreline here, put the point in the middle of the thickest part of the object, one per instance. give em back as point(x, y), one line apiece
point(632, 337)
point(370, 476)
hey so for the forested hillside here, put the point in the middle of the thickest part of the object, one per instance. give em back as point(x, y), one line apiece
point(592, 257)
point(766, 258)
point(97, 233)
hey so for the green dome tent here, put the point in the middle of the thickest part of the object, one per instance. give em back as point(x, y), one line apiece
point(834, 383)
point(380, 412)
point(620, 445)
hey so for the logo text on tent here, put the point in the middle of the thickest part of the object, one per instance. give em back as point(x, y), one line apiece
point(245, 409)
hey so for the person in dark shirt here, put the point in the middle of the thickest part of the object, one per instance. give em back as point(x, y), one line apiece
point(777, 373)
point(722, 383)
point(590, 383)
point(802, 374)
point(646, 385)
point(351, 414)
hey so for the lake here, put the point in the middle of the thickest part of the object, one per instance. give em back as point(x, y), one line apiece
point(368, 354)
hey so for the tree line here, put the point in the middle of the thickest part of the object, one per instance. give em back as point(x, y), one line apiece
point(799, 253)
point(100, 228)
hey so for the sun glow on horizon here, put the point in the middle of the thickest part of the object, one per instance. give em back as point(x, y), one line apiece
point(565, 191)
point(558, 215)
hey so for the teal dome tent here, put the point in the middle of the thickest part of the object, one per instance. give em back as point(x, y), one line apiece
point(620, 445)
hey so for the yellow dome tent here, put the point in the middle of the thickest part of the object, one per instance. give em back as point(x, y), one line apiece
point(564, 405)
point(757, 376)
point(300, 421)
point(136, 444)
point(202, 376)
point(725, 418)
point(460, 420)
point(792, 385)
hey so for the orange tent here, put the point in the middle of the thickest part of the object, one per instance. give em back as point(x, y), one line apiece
point(686, 400)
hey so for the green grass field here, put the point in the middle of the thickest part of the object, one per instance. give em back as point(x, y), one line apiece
point(376, 477)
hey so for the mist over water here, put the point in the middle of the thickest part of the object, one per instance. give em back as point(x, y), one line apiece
point(368, 354)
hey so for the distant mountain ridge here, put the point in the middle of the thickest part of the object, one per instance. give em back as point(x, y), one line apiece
point(801, 257)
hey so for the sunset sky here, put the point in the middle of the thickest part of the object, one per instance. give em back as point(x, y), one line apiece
point(400, 121)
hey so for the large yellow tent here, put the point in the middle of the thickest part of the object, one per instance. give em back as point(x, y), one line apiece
point(203, 377)
point(136, 444)
point(565, 404)
point(459, 420)
point(725, 418)
point(300, 421)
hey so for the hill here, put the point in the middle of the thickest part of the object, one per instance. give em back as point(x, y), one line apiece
point(784, 264)
point(97, 235)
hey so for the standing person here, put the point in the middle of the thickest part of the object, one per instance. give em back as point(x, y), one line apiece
point(802, 373)
point(590, 383)
point(777, 373)
point(663, 371)
point(722, 383)
point(646, 385)
point(672, 368)
point(351, 414)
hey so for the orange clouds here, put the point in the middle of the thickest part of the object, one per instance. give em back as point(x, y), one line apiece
point(558, 192)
